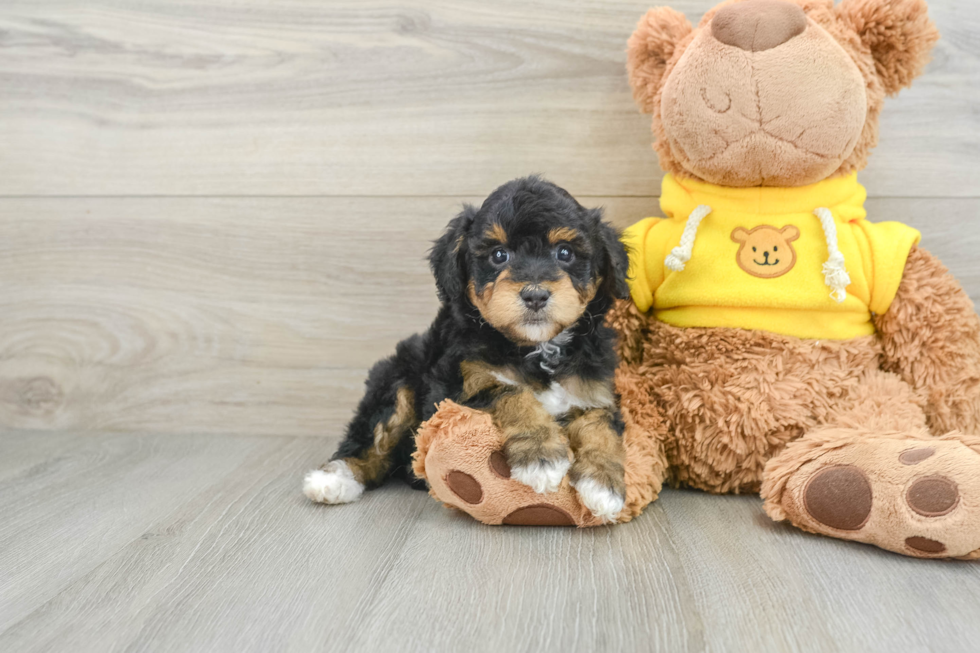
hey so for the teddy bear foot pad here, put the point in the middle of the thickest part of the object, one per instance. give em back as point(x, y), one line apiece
point(460, 454)
point(470, 491)
point(918, 497)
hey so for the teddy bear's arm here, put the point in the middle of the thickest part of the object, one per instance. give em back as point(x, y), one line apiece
point(630, 325)
point(931, 339)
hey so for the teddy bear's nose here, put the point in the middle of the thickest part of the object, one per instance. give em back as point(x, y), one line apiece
point(756, 25)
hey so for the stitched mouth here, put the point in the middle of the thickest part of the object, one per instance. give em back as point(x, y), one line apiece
point(776, 262)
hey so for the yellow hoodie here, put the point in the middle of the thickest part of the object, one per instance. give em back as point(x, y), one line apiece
point(801, 262)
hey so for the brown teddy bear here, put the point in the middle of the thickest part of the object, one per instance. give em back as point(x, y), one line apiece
point(776, 341)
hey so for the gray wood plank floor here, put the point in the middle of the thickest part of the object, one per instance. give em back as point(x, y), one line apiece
point(138, 542)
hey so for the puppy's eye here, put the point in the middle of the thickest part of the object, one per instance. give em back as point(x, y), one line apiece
point(564, 254)
point(499, 256)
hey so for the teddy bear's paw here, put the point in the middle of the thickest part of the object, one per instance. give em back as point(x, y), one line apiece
point(603, 501)
point(542, 476)
point(918, 497)
point(485, 486)
point(333, 483)
point(465, 461)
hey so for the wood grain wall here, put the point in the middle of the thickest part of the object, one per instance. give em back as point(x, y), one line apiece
point(214, 214)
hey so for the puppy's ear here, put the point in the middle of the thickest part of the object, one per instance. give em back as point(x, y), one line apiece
point(899, 34)
point(448, 256)
point(650, 48)
point(614, 262)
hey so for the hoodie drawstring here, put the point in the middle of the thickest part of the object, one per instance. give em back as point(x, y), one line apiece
point(834, 273)
point(682, 253)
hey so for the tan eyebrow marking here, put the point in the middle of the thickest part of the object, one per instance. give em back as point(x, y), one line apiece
point(559, 234)
point(496, 232)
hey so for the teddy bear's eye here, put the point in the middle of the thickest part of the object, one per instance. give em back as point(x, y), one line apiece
point(753, 249)
point(775, 248)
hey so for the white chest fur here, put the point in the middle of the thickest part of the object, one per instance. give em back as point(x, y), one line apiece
point(562, 397)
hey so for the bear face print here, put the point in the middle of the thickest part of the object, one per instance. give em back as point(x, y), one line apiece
point(766, 251)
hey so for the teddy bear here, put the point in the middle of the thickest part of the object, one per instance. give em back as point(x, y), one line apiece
point(776, 340)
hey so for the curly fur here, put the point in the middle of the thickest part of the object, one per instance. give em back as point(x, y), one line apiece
point(732, 399)
point(931, 339)
point(898, 34)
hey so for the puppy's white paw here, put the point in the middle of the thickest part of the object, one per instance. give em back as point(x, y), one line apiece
point(602, 501)
point(541, 476)
point(335, 483)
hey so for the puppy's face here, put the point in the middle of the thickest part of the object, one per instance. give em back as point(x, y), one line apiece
point(531, 260)
point(531, 275)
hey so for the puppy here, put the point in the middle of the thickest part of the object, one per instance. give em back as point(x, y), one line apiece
point(524, 282)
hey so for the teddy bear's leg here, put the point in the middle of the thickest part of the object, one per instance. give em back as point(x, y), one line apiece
point(878, 476)
point(460, 453)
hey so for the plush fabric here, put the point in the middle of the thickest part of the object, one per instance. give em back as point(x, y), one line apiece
point(931, 340)
point(737, 118)
point(922, 496)
point(727, 284)
point(885, 44)
point(758, 25)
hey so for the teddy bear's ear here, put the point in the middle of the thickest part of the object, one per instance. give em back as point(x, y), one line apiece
point(899, 34)
point(649, 50)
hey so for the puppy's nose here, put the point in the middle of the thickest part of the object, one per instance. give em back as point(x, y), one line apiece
point(756, 25)
point(535, 297)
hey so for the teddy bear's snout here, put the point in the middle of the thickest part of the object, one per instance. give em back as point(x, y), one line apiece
point(757, 25)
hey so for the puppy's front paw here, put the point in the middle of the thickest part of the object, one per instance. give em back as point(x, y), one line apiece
point(542, 475)
point(538, 458)
point(333, 483)
point(602, 500)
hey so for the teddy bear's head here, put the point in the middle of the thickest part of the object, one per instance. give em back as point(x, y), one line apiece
point(774, 92)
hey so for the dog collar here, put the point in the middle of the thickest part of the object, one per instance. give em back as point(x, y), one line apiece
point(551, 351)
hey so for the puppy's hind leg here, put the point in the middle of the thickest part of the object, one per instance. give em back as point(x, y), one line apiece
point(333, 482)
point(385, 416)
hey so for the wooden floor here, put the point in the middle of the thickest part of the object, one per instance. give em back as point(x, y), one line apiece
point(213, 218)
point(183, 543)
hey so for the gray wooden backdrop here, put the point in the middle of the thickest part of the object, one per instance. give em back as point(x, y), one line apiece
point(214, 213)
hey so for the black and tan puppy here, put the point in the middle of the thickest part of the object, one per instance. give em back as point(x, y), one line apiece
point(525, 282)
